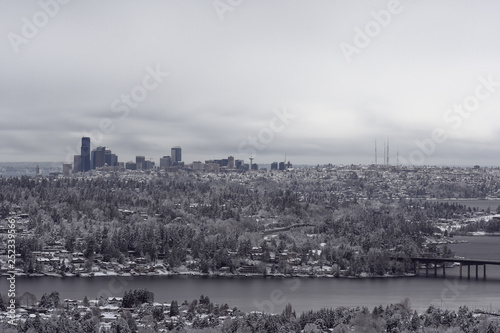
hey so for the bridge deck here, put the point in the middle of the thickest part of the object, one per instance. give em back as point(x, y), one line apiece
point(462, 261)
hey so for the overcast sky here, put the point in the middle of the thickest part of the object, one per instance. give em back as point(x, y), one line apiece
point(341, 74)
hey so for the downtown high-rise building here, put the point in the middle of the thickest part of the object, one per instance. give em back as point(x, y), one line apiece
point(176, 155)
point(148, 165)
point(98, 157)
point(85, 154)
point(230, 162)
point(77, 163)
point(140, 162)
point(110, 159)
point(165, 162)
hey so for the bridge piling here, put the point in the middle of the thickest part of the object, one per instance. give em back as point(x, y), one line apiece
point(418, 261)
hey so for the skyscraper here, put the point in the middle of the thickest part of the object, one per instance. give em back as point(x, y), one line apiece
point(230, 162)
point(98, 157)
point(110, 159)
point(165, 162)
point(77, 163)
point(140, 161)
point(85, 154)
point(176, 154)
point(148, 165)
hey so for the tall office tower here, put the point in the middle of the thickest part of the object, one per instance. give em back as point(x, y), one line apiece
point(148, 165)
point(85, 154)
point(98, 157)
point(238, 163)
point(176, 153)
point(230, 162)
point(110, 159)
point(77, 163)
point(140, 161)
point(165, 162)
point(282, 166)
point(274, 166)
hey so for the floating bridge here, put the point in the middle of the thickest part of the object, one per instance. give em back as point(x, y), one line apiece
point(417, 261)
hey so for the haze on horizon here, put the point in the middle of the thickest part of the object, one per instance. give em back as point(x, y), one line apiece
point(231, 69)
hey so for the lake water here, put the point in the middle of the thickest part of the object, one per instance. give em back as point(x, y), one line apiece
point(272, 294)
point(492, 204)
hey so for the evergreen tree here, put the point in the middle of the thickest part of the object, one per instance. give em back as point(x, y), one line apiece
point(174, 309)
point(2, 304)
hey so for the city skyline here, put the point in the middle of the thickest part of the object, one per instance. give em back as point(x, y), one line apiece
point(101, 156)
point(316, 81)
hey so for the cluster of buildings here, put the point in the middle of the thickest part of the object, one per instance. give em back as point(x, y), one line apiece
point(109, 310)
point(102, 158)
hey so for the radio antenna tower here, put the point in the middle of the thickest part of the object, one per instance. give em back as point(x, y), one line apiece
point(387, 152)
point(397, 158)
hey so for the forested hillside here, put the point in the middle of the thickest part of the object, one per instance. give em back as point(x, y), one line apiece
point(278, 222)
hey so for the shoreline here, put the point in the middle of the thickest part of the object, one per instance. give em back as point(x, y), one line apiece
point(223, 275)
point(462, 199)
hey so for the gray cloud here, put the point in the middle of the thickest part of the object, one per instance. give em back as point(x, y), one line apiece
point(226, 78)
